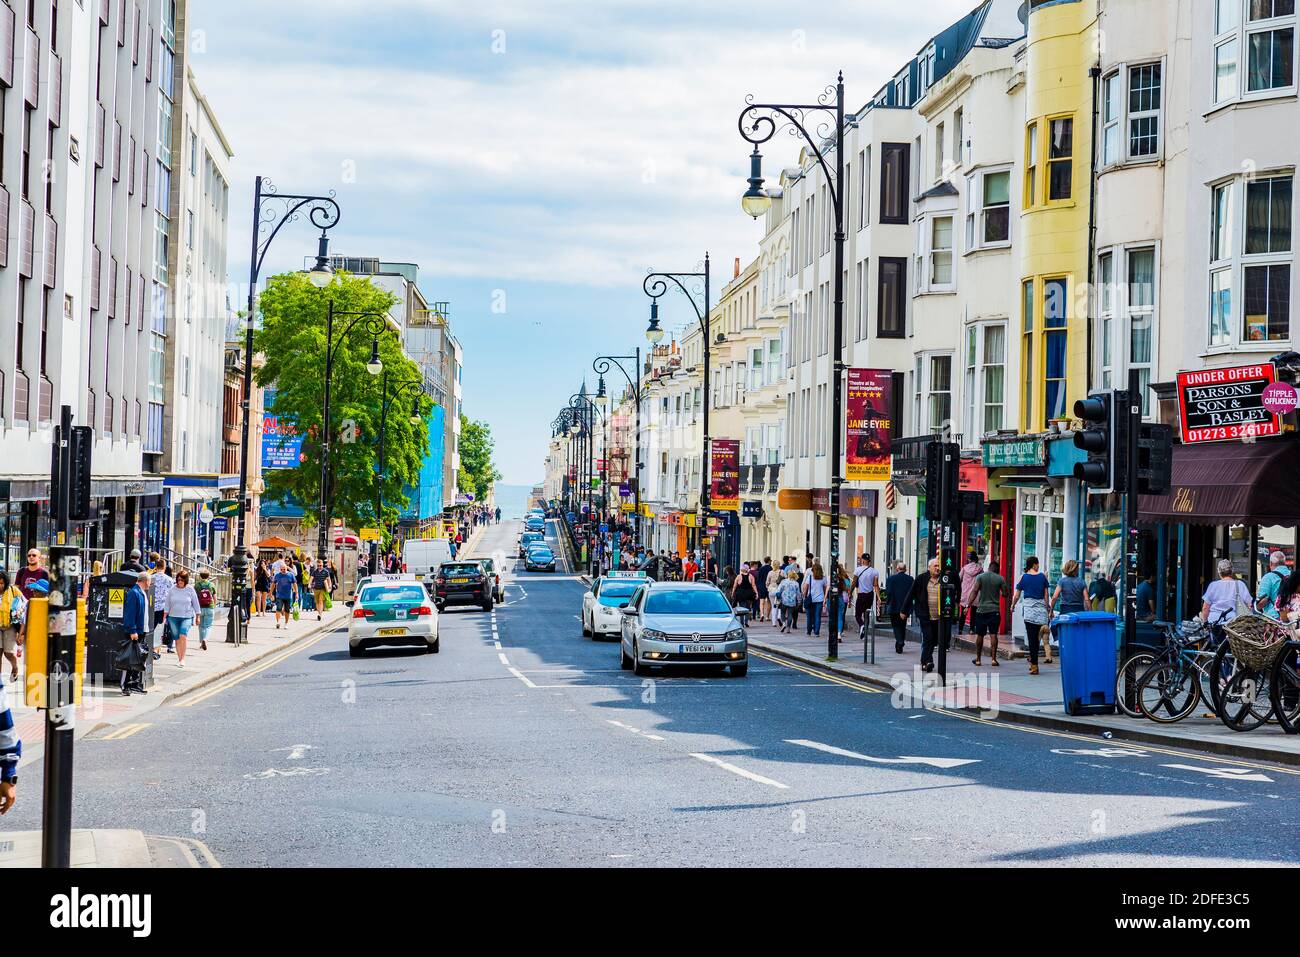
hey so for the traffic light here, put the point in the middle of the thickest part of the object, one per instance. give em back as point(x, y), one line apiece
point(938, 456)
point(1105, 415)
point(1155, 458)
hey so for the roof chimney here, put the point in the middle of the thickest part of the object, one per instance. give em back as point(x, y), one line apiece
point(736, 269)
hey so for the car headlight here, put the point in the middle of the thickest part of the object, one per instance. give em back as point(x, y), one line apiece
point(735, 634)
point(653, 635)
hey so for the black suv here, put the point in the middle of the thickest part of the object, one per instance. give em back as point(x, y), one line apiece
point(462, 583)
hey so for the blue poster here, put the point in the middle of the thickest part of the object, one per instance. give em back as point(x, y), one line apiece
point(281, 443)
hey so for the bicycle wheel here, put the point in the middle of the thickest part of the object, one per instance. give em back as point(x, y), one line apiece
point(1216, 677)
point(1133, 669)
point(1246, 703)
point(1168, 692)
point(1284, 688)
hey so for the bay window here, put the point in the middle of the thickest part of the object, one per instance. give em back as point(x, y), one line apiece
point(932, 380)
point(1055, 301)
point(988, 209)
point(1027, 354)
point(1131, 118)
point(1259, 35)
point(1060, 158)
point(1251, 253)
point(934, 266)
point(985, 354)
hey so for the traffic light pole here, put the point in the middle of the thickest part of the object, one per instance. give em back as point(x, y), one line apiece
point(1133, 410)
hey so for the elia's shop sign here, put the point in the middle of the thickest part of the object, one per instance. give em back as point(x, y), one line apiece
point(1014, 452)
point(1219, 405)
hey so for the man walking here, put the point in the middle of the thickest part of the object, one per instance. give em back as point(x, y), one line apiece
point(866, 580)
point(11, 749)
point(898, 589)
point(135, 622)
point(990, 589)
point(284, 587)
point(1269, 584)
point(34, 571)
point(925, 600)
point(134, 565)
point(320, 584)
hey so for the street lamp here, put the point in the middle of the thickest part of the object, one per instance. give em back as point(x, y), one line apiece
point(376, 324)
point(583, 406)
point(656, 285)
point(324, 213)
point(322, 273)
point(602, 365)
point(758, 123)
point(402, 387)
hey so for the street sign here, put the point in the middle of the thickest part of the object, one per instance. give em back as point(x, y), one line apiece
point(206, 515)
point(227, 508)
point(371, 535)
point(220, 524)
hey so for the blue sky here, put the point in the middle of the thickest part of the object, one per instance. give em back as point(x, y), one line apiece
point(540, 154)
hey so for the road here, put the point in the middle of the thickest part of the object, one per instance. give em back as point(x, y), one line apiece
point(524, 744)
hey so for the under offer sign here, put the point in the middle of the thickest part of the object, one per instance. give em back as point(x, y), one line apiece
point(1219, 405)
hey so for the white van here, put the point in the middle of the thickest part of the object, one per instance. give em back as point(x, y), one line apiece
point(422, 556)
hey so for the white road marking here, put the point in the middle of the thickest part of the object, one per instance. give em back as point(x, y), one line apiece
point(1231, 774)
point(522, 677)
point(497, 643)
point(655, 737)
point(750, 775)
point(901, 759)
point(297, 752)
point(504, 659)
point(294, 772)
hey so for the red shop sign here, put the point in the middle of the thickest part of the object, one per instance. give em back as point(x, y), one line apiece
point(1222, 405)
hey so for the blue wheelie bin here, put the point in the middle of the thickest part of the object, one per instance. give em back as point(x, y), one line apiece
point(1088, 665)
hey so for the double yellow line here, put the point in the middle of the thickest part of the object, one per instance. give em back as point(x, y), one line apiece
point(225, 684)
point(124, 731)
point(832, 678)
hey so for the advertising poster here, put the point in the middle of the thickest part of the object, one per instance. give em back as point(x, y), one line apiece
point(724, 475)
point(281, 443)
point(1220, 405)
point(868, 422)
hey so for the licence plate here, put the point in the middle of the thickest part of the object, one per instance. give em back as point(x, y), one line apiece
point(460, 581)
point(695, 649)
point(400, 614)
point(386, 632)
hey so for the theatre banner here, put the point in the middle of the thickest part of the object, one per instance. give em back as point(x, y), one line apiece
point(868, 423)
point(724, 475)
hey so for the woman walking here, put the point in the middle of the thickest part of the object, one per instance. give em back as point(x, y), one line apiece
point(261, 585)
point(815, 586)
point(743, 591)
point(182, 608)
point(161, 584)
point(787, 596)
point(1071, 590)
point(774, 579)
point(207, 607)
point(13, 608)
point(1032, 590)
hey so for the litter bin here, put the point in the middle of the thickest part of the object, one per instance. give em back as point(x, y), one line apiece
point(1087, 651)
point(104, 631)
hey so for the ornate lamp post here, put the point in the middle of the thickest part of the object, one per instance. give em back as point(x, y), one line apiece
point(324, 213)
point(758, 123)
point(601, 366)
point(656, 285)
point(411, 387)
point(582, 407)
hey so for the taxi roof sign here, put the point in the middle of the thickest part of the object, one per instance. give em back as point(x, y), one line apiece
point(625, 573)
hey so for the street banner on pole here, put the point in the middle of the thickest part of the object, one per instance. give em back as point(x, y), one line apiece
point(281, 443)
point(868, 423)
point(724, 474)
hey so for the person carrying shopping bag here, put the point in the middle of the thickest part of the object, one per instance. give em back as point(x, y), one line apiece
point(815, 587)
point(1032, 591)
point(787, 596)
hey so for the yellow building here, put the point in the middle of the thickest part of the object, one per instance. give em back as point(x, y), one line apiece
point(1057, 171)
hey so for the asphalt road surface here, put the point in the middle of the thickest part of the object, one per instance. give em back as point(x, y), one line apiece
point(524, 744)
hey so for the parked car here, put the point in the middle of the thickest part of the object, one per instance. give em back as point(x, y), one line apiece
point(490, 569)
point(462, 583)
point(393, 613)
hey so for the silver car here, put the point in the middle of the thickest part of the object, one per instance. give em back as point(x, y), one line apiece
point(668, 624)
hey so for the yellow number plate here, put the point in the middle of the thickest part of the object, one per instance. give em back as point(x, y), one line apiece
point(385, 632)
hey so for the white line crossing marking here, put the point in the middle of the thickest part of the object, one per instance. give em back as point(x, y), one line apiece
point(902, 759)
point(522, 677)
point(1231, 774)
point(750, 775)
point(504, 659)
point(498, 644)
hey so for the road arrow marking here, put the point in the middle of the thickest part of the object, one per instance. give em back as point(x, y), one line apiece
point(901, 759)
point(297, 752)
point(297, 772)
point(1230, 774)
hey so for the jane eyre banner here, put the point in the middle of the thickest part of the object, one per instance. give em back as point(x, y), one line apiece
point(724, 475)
point(869, 423)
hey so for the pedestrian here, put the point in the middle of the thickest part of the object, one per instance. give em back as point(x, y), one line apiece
point(207, 593)
point(866, 580)
point(815, 586)
point(334, 577)
point(13, 617)
point(744, 590)
point(320, 580)
point(1101, 594)
point(33, 571)
point(182, 608)
point(161, 583)
point(261, 585)
point(772, 606)
point(898, 589)
point(133, 652)
point(924, 599)
point(761, 576)
point(729, 577)
point(1032, 590)
point(689, 568)
point(1223, 597)
point(285, 586)
point(1270, 583)
point(845, 586)
point(134, 565)
point(788, 595)
point(1070, 589)
point(986, 617)
point(1146, 597)
point(966, 577)
point(11, 750)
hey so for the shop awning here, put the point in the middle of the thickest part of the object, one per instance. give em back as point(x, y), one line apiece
point(1230, 483)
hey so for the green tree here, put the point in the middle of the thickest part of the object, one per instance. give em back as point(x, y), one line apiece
point(292, 341)
point(477, 470)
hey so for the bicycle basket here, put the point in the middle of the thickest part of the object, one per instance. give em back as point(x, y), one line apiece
point(1256, 641)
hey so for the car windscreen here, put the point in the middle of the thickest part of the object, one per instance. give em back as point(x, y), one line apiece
point(541, 550)
point(681, 601)
point(461, 570)
point(374, 594)
point(614, 594)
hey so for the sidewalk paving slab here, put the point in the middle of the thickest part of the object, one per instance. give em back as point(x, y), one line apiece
point(115, 848)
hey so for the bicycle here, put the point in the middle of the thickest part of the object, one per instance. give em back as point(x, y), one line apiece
point(1181, 675)
point(1248, 699)
point(1284, 688)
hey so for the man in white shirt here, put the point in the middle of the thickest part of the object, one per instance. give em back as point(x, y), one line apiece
point(866, 582)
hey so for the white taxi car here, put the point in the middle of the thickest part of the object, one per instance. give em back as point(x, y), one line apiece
point(602, 603)
point(392, 613)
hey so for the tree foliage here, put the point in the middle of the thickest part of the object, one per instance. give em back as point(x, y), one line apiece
point(292, 340)
point(477, 470)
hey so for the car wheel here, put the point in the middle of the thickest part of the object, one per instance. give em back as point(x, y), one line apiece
point(739, 671)
point(586, 632)
point(624, 661)
point(354, 652)
point(637, 667)
point(487, 605)
point(433, 649)
point(441, 606)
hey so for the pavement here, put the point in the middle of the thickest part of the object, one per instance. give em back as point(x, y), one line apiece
point(524, 744)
